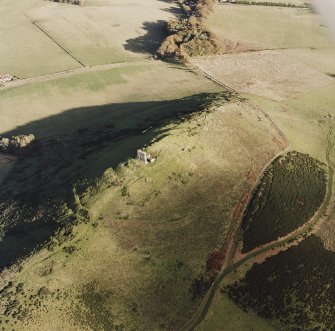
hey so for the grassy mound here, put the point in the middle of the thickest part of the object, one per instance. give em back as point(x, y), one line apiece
point(130, 266)
point(291, 190)
point(295, 288)
point(37, 196)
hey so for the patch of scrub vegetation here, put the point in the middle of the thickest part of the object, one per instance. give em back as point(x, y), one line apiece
point(94, 311)
point(190, 36)
point(18, 302)
point(225, 315)
point(295, 288)
point(291, 190)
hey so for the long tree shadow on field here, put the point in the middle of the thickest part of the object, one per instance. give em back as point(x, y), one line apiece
point(155, 33)
point(150, 41)
point(34, 195)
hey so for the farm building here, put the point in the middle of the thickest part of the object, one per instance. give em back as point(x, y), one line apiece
point(144, 156)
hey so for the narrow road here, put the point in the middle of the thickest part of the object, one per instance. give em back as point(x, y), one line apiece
point(304, 230)
point(232, 242)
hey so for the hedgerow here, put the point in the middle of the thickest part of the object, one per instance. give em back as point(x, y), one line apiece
point(190, 36)
point(269, 3)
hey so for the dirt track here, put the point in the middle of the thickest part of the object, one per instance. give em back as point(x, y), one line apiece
point(72, 72)
point(269, 249)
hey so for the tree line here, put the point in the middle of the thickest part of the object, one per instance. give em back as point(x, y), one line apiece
point(189, 35)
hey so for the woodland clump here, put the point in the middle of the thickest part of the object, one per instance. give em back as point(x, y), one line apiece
point(189, 36)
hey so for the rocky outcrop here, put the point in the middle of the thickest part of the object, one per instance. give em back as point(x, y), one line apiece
point(6, 78)
point(15, 144)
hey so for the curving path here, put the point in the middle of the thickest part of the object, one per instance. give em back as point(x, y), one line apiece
point(292, 238)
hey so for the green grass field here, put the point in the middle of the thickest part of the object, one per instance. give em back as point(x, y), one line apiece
point(41, 37)
point(132, 256)
point(305, 118)
point(269, 27)
point(110, 32)
point(129, 240)
point(133, 252)
point(73, 102)
point(25, 50)
point(320, 59)
point(302, 119)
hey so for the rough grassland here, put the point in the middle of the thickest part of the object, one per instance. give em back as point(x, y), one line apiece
point(320, 59)
point(271, 74)
point(83, 124)
point(303, 117)
point(269, 27)
point(132, 260)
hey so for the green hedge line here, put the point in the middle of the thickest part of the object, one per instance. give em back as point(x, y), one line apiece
point(269, 3)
